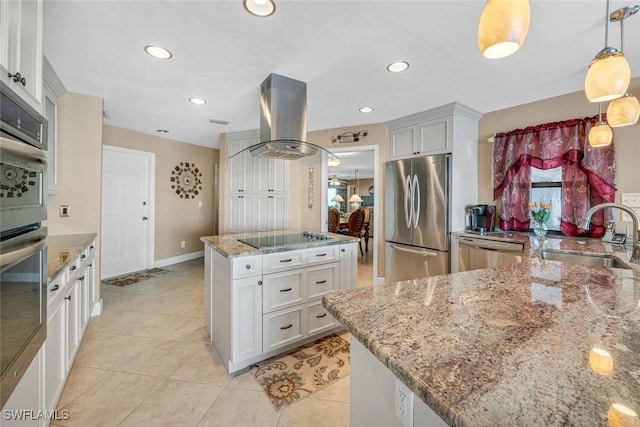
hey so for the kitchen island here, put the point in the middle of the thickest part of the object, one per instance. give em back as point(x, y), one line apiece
point(530, 344)
point(263, 291)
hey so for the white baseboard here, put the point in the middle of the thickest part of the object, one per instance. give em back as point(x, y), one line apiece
point(180, 258)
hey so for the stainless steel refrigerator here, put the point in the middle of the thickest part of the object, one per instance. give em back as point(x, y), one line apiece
point(417, 217)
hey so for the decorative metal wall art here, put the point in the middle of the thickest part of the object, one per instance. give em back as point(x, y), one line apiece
point(349, 136)
point(186, 180)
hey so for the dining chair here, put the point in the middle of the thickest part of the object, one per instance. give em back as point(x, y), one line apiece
point(364, 234)
point(333, 220)
point(355, 226)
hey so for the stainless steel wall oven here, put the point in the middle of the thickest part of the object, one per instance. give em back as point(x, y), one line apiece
point(23, 241)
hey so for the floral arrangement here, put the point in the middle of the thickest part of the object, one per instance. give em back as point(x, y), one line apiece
point(541, 213)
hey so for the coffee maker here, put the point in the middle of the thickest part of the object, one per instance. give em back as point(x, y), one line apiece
point(480, 218)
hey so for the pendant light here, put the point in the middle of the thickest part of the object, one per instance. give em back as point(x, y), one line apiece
point(355, 199)
point(335, 181)
point(600, 134)
point(333, 161)
point(609, 74)
point(623, 111)
point(503, 27)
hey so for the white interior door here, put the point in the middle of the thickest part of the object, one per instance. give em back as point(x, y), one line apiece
point(127, 201)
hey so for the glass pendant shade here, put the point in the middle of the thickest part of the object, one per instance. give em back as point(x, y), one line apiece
point(503, 27)
point(623, 111)
point(333, 161)
point(600, 135)
point(608, 78)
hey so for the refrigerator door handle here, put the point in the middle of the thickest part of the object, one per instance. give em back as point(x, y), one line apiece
point(414, 251)
point(408, 205)
point(416, 201)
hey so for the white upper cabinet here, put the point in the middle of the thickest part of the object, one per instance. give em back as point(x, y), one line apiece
point(21, 48)
point(425, 137)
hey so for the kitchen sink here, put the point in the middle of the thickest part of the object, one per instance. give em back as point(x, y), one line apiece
point(597, 261)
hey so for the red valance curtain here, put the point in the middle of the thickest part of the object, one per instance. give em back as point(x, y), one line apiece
point(588, 173)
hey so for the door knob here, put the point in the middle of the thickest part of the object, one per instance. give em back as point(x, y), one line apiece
point(144, 218)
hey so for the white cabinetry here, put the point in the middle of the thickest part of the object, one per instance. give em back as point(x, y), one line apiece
point(25, 403)
point(259, 305)
point(21, 48)
point(69, 301)
point(53, 88)
point(258, 199)
point(452, 128)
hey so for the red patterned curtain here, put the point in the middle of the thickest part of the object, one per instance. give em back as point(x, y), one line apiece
point(588, 174)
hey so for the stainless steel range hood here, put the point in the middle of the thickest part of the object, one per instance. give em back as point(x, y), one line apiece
point(283, 122)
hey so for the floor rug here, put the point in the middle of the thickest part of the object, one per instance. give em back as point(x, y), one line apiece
point(129, 279)
point(289, 378)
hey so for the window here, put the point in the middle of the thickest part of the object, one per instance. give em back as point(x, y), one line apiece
point(332, 191)
point(546, 186)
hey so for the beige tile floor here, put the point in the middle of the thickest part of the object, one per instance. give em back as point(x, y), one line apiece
point(147, 360)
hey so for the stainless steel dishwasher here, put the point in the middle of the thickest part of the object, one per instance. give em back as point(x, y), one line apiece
point(477, 253)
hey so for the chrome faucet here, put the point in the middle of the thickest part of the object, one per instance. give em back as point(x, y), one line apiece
point(635, 219)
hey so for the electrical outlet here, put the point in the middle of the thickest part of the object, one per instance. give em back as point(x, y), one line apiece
point(404, 404)
point(183, 244)
point(631, 200)
point(200, 203)
point(65, 210)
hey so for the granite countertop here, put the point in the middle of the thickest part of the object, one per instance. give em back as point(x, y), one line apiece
point(229, 245)
point(62, 249)
point(508, 345)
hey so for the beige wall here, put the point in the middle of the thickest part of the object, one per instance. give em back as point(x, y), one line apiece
point(573, 105)
point(176, 219)
point(79, 167)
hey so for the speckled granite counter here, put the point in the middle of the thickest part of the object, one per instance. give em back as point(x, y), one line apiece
point(509, 345)
point(229, 245)
point(62, 249)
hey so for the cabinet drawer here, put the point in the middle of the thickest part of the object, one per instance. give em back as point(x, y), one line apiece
point(282, 328)
point(72, 269)
point(281, 261)
point(247, 266)
point(282, 290)
point(318, 318)
point(55, 289)
point(322, 279)
point(322, 255)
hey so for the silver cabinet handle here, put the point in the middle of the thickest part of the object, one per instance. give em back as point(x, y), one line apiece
point(286, 327)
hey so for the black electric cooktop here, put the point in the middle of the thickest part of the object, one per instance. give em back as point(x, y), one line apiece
point(273, 240)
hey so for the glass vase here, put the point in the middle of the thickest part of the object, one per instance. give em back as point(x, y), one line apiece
point(540, 229)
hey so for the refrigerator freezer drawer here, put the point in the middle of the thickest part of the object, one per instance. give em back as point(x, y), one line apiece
point(404, 262)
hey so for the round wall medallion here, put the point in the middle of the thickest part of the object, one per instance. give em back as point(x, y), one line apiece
point(371, 190)
point(186, 180)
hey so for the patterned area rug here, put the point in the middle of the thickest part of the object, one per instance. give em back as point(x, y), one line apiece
point(289, 378)
point(129, 279)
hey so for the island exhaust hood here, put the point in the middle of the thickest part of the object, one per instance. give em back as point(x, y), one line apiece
point(283, 122)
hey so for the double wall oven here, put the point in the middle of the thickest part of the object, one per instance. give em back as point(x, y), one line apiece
point(23, 241)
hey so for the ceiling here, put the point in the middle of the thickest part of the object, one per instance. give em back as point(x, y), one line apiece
point(339, 48)
point(350, 161)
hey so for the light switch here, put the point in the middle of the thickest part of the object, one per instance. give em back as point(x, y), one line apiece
point(631, 200)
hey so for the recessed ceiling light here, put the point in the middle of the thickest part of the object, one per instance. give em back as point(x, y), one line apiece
point(198, 101)
point(162, 131)
point(397, 67)
point(158, 52)
point(260, 7)
point(366, 109)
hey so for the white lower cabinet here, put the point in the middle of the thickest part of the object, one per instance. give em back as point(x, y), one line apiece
point(72, 322)
point(247, 318)
point(24, 405)
point(260, 305)
point(55, 356)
